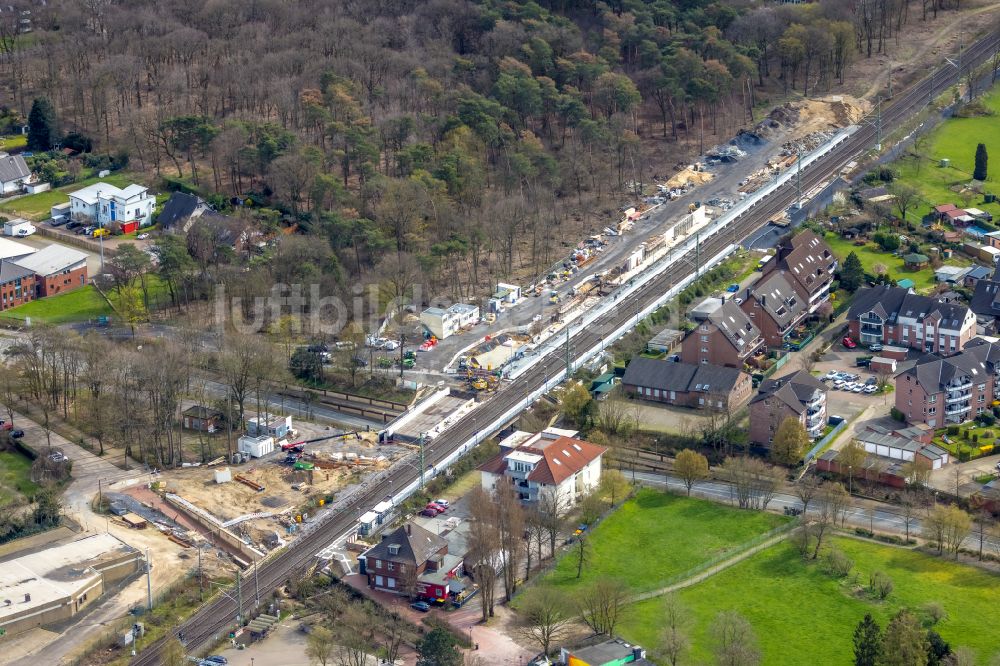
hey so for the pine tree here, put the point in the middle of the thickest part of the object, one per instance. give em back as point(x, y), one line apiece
point(853, 273)
point(43, 127)
point(981, 159)
point(867, 639)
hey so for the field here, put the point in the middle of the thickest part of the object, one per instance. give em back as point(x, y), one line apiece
point(800, 613)
point(36, 207)
point(15, 477)
point(656, 536)
point(14, 141)
point(77, 305)
point(871, 254)
point(956, 140)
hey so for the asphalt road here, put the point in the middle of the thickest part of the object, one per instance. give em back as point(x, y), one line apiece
point(213, 618)
point(884, 520)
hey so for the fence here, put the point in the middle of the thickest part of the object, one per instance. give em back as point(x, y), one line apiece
point(824, 440)
point(719, 559)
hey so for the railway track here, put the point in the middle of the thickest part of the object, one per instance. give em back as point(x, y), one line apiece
point(217, 616)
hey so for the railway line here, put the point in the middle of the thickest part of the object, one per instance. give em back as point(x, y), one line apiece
point(217, 616)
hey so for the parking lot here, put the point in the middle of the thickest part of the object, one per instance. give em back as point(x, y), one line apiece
point(844, 399)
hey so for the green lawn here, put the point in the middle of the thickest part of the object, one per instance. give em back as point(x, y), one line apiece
point(871, 254)
point(15, 477)
point(13, 141)
point(36, 207)
point(655, 536)
point(801, 615)
point(77, 305)
point(987, 440)
point(956, 140)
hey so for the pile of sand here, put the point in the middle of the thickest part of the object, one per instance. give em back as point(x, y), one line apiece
point(688, 175)
point(828, 113)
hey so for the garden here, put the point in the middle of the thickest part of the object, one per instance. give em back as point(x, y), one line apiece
point(656, 536)
point(968, 441)
point(37, 207)
point(80, 304)
point(16, 485)
point(799, 610)
point(872, 255)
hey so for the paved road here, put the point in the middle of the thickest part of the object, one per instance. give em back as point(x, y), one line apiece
point(884, 520)
point(548, 368)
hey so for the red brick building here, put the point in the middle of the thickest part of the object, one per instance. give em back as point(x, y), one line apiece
point(727, 337)
point(799, 395)
point(700, 386)
point(774, 307)
point(17, 285)
point(57, 269)
point(895, 316)
point(411, 561)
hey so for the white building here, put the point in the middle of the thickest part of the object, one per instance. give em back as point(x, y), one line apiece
point(546, 462)
point(445, 322)
point(18, 227)
point(14, 173)
point(103, 203)
point(257, 447)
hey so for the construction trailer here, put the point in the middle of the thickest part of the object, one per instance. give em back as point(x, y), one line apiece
point(256, 447)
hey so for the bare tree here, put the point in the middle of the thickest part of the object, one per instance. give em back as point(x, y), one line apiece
point(483, 556)
point(831, 500)
point(735, 641)
point(581, 553)
point(602, 604)
point(552, 509)
point(544, 616)
point(752, 482)
point(806, 489)
point(510, 527)
point(674, 642)
point(908, 503)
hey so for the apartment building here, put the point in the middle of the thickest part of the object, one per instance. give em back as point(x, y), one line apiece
point(954, 389)
point(774, 307)
point(799, 395)
point(897, 316)
point(726, 337)
point(687, 385)
point(103, 203)
point(809, 265)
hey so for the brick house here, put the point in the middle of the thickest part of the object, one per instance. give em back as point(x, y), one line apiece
point(774, 307)
point(809, 265)
point(726, 337)
point(411, 561)
point(202, 419)
point(799, 395)
point(17, 285)
point(898, 317)
point(686, 384)
point(954, 389)
point(57, 269)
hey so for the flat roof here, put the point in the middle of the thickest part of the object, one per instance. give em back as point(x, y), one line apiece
point(55, 573)
point(9, 248)
point(524, 456)
point(52, 259)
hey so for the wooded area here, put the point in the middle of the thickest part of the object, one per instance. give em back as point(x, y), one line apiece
point(450, 142)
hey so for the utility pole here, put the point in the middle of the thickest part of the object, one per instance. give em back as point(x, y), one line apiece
point(890, 80)
point(402, 346)
point(878, 126)
point(798, 181)
point(422, 435)
point(239, 599)
point(149, 582)
point(201, 577)
point(697, 254)
point(256, 584)
point(569, 359)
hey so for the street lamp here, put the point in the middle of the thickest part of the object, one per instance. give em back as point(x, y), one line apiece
point(850, 479)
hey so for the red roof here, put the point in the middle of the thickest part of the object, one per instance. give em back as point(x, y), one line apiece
point(563, 458)
point(944, 208)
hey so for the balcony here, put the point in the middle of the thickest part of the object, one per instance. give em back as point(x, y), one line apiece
point(958, 387)
point(816, 430)
point(958, 409)
point(817, 419)
point(816, 403)
point(955, 397)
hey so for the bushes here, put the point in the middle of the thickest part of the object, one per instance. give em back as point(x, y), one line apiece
point(897, 415)
point(880, 585)
point(952, 430)
point(887, 241)
point(838, 564)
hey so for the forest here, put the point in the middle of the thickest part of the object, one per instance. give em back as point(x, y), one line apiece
point(450, 143)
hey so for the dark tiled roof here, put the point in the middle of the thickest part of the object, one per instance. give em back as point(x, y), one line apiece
point(735, 325)
point(794, 390)
point(978, 361)
point(682, 377)
point(777, 297)
point(891, 303)
point(808, 260)
point(178, 209)
point(416, 545)
point(986, 298)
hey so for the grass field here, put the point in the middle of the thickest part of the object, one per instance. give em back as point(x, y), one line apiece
point(15, 477)
point(801, 615)
point(13, 141)
point(956, 140)
point(36, 207)
point(77, 305)
point(871, 254)
point(655, 536)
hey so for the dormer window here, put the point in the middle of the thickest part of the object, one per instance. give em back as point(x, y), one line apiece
point(394, 549)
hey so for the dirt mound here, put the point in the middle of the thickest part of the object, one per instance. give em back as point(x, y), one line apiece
point(688, 175)
point(816, 115)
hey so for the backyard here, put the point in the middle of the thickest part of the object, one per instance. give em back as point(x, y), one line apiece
point(77, 305)
point(798, 611)
point(967, 441)
point(36, 207)
point(955, 140)
point(15, 478)
point(871, 254)
point(655, 536)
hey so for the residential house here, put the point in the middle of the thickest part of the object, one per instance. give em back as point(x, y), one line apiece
point(898, 317)
point(202, 419)
point(953, 215)
point(103, 204)
point(552, 461)
point(17, 285)
point(726, 337)
point(57, 269)
point(938, 390)
point(180, 211)
point(979, 214)
point(950, 274)
point(411, 561)
point(976, 273)
point(445, 322)
point(809, 265)
point(799, 395)
point(774, 307)
point(14, 173)
point(687, 384)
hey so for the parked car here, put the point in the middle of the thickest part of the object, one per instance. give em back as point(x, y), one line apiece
point(850, 344)
point(17, 434)
point(58, 456)
point(830, 375)
point(142, 236)
point(875, 347)
point(858, 388)
point(733, 288)
point(421, 606)
point(73, 224)
point(871, 381)
point(871, 389)
point(436, 507)
point(442, 502)
point(216, 659)
point(430, 513)
point(360, 362)
point(58, 221)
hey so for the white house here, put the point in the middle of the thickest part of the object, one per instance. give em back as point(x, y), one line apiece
point(257, 447)
point(546, 462)
point(102, 204)
point(445, 322)
point(14, 173)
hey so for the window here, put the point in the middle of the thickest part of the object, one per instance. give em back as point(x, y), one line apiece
point(378, 564)
point(932, 410)
point(704, 338)
point(390, 566)
point(704, 350)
